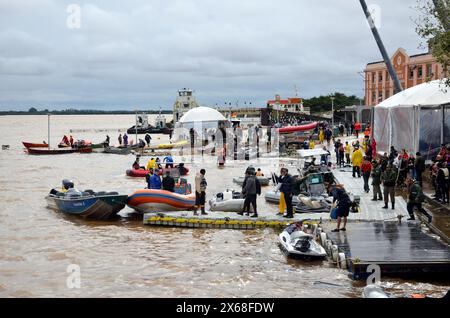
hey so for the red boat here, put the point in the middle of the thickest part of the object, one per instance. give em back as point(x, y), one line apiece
point(142, 173)
point(32, 145)
point(40, 151)
point(292, 129)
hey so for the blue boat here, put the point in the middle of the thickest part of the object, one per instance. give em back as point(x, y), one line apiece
point(87, 204)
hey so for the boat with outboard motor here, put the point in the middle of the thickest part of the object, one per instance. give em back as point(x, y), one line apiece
point(263, 181)
point(87, 204)
point(227, 201)
point(298, 244)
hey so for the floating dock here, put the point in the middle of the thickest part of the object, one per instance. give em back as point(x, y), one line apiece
point(399, 249)
point(217, 220)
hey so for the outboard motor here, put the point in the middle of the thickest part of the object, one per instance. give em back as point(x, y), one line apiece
point(219, 196)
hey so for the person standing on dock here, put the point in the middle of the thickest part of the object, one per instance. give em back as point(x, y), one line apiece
point(419, 167)
point(389, 178)
point(120, 139)
point(251, 188)
point(415, 199)
point(200, 192)
point(376, 181)
point(366, 169)
point(287, 187)
point(443, 182)
point(321, 135)
point(357, 158)
point(347, 153)
point(357, 128)
point(343, 205)
point(328, 136)
point(148, 139)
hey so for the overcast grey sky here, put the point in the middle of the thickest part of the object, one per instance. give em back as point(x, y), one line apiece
point(137, 54)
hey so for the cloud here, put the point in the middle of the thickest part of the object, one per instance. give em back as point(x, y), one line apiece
point(140, 52)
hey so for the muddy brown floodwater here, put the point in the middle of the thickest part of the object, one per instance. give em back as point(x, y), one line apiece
point(122, 258)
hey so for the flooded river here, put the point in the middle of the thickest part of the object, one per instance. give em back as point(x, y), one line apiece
point(122, 258)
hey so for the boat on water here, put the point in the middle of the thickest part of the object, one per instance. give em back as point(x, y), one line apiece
point(87, 204)
point(117, 150)
point(143, 173)
point(149, 200)
point(227, 201)
point(59, 151)
point(298, 244)
point(34, 145)
point(264, 181)
point(144, 127)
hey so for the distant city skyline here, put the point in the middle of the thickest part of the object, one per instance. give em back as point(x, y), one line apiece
point(137, 54)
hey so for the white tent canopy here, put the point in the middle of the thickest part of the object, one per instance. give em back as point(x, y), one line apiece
point(203, 114)
point(416, 119)
point(427, 94)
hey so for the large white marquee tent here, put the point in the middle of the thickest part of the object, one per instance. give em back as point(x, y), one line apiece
point(416, 119)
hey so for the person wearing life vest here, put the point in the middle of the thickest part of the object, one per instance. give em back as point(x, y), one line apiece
point(321, 136)
point(443, 182)
point(153, 180)
point(347, 153)
point(415, 199)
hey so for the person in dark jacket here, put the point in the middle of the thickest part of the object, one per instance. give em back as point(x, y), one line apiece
point(419, 166)
point(168, 182)
point(443, 182)
point(148, 139)
point(389, 178)
point(366, 170)
point(286, 187)
point(415, 199)
point(250, 191)
point(343, 205)
point(376, 182)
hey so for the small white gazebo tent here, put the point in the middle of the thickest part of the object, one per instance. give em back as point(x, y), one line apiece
point(416, 119)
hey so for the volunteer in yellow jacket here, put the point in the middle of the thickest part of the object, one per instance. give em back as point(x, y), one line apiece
point(357, 159)
point(151, 164)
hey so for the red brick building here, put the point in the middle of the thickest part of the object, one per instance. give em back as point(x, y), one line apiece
point(411, 71)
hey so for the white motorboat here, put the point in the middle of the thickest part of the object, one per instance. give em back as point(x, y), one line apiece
point(298, 244)
point(227, 201)
point(263, 181)
point(273, 196)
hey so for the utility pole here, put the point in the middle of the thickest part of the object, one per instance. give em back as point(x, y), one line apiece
point(332, 112)
point(387, 60)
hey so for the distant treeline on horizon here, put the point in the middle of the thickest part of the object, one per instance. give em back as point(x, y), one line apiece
point(34, 111)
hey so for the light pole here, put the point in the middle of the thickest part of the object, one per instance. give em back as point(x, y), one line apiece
point(332, 111)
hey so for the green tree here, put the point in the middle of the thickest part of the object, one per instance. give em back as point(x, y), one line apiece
point(323, 103)
point(433, 25)
point(32, 110)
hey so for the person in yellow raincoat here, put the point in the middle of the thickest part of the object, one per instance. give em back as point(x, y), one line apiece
point(282, 204)
point(151, 164)
point(321, 136)
point(357, 159)
point(312, 144)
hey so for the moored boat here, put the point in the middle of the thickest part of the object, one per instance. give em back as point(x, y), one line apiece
point(227, 201)
point(142, 173)
point(149, 200)
point(87, 204)
point(298, 244)
point(117, 150)
point(34, 145)
point(262, 180)
point(59, 151)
